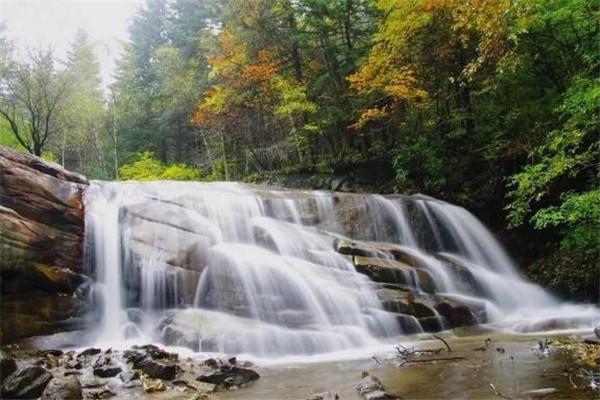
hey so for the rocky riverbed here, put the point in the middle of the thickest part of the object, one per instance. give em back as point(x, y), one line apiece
point(485, 365)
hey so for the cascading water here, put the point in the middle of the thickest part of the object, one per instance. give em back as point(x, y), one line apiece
point(240, 269)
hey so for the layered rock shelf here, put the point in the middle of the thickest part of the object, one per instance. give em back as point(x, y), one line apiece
point(41, 246)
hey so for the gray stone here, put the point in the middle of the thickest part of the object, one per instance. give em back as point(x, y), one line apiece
point(66, 388)
point(27, 382)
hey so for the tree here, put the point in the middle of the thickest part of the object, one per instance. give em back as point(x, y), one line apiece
point(33, 96)
point(85, 111)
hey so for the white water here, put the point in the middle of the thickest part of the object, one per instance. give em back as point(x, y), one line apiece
point(231, 268)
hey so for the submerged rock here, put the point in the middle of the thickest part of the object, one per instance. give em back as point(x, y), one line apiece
point(25, 383)
point(229, 376)
point(66, 388)
point(324, 396)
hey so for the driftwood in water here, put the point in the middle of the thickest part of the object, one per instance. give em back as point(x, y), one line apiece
point(426, 360)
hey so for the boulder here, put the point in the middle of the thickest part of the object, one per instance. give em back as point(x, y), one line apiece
point(228, 376)
point(26, 383)
point(8, 365)
point(65, 388)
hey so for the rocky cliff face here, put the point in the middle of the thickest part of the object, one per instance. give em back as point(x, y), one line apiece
point(41, 246)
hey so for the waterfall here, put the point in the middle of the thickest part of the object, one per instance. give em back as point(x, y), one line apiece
point(236, 268)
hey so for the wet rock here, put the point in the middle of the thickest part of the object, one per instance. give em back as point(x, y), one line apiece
point(154, 362)
point(105, 367)
point(91, 382)
point(368, 384)
point(395, 272)
point(99, 394)
point(66, 388)
point(431, 324)
point(324, 396)
point(152, 385)
point(92, 351)
point(597, 332)
point(52, 352)
point(456, 315)
point(107, 371)
point(202, 387)
point(8, 365)
point(157, 369)
point(128, 376)
point(229, 376)
point(371, 388)
point(353, 248)
point(156, 352)
point(27, 382)
point(73, 364)
point(50, 361)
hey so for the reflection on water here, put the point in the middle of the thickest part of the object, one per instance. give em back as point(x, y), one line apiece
point(517, 370)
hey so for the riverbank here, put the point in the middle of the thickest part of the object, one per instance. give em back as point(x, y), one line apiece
point(505, 366)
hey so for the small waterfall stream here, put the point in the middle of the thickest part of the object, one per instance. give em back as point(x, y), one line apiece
point(235, 268)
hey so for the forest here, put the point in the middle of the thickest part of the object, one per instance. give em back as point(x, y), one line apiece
point(492, 105)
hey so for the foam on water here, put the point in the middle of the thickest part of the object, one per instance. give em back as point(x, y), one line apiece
point(232, 268)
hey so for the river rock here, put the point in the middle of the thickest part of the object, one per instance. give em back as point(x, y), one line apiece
point(324, 396)
point(104, 367)
point(92, 351)
point(371, 388)
point(229, 376)
point(66, 388)
point(27, 382)
point(155, 362)
point(8, 365)
point(152, 385)
point(156, 369)
point(107, 371)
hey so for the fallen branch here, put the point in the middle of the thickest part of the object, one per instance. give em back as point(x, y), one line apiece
point(443, 341)
point(497, 393)
point(430, 351)
point(572, 383)
point(426, 360)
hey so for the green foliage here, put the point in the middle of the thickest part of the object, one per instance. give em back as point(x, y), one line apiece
point(418, 166)
point(146, 167)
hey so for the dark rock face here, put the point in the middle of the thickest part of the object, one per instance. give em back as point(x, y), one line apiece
point(8, 365)
point(228, 376)
point(41, 242)
point(67, 388)
point(26, 383)
point(407, 288)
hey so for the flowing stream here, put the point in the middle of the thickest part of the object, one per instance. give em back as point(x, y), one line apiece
point(234, 268)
